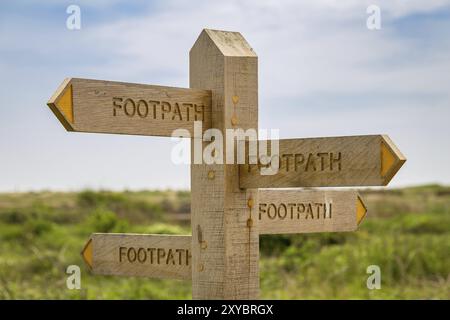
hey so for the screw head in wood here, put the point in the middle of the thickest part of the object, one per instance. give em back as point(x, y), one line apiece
point(211, 174)
point(201, 267)
point(250, 223)
point(234, 120)
point(235, 99)
point(250, 203)
point(203, 244)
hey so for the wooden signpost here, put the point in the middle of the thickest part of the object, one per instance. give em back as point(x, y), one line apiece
point(297, 211)
point(146, 255)
point(86, 105)
point(228, 211)
point(328, 162)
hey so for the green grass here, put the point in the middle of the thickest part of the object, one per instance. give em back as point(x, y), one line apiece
point(406, 233)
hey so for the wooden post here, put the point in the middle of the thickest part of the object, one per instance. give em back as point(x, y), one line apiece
point(225, 241)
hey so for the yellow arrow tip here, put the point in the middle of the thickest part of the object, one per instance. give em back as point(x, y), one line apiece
point(391, 159)
point(387, 159)
point(65, 104)
point(87, 253)
point(61, 103)
point(361, 210)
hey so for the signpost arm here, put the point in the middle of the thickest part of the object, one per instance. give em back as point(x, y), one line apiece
point(225, 242)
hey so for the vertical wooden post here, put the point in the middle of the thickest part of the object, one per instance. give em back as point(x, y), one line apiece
point(225, 242)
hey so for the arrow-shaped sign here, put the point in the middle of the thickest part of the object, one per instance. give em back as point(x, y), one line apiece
point(327, 162)
point(115, 107)
point(146, 255)
point(299, 211)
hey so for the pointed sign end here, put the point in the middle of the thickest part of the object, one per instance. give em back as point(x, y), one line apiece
point(361, 210)
point(87, 253)
point(65, 103)
point(61, 103)
point(228, 43)
point(391, 159)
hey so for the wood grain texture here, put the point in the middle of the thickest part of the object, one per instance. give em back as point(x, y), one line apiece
point(128, 108)
point(143, 255)
point(328, 162)
point(225, 246)
point(300, 211)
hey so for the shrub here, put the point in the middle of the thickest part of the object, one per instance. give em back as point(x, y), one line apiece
point(38, 227)
point(122, 204)
point(104, 220)
point(13, 216)
point(162, 228)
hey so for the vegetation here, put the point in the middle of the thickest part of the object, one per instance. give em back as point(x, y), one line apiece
point(406, 233)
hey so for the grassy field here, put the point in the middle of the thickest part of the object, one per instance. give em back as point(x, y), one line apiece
point(406, 233)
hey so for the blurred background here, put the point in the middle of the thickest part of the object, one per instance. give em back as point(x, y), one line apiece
point(322, 72)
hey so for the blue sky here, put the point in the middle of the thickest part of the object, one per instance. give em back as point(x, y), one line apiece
point(321, 73)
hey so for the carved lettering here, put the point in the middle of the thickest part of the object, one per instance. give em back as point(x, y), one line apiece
point(295, 211)
point(157, 110)
point(305, 162)
point(160, 256)
point(142, 108)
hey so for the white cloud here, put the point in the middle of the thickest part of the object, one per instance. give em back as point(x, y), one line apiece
point(304, 47)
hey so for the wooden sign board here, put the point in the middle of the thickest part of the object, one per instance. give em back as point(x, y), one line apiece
point(298, 211)
point(144, 255)
point(328, 162)
point(126, 108)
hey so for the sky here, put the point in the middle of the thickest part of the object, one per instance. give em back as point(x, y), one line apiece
point(322, 73)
